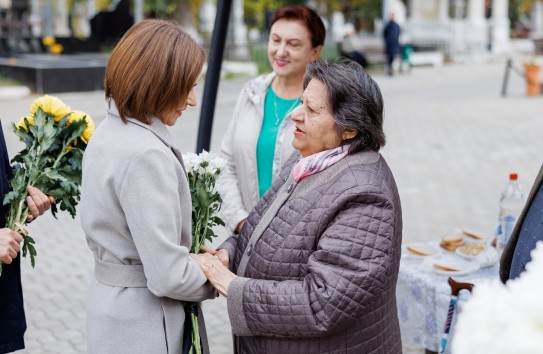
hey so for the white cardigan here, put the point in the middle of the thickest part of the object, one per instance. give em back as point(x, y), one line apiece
point(136, 214)
point(239, 185)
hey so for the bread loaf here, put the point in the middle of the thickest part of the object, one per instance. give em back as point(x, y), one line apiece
point(451, 242)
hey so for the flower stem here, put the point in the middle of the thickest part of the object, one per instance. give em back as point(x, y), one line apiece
point(195, 334)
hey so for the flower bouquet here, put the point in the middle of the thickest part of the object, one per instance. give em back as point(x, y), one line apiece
point(504, 319)
point(203, 171)
point(55, 138)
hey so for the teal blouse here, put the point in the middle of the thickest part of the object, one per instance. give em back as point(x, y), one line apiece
point(275, 110)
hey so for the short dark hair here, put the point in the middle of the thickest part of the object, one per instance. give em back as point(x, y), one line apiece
point(355, 102)
point(310, 19)
point(152, 68)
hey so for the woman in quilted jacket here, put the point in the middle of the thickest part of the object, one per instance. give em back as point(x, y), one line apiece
point(315, 268)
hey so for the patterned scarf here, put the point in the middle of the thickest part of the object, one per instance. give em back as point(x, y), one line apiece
point(318, 162)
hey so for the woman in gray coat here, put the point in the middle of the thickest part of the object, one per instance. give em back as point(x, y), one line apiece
point(135, 200)
point(315, 268)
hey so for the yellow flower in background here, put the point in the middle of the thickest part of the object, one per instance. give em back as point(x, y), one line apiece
point(22, 123)
point(77, 116)
point(51, 105)
point(56, 48)
point(48, 41)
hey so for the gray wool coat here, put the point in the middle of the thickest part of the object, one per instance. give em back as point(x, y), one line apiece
point(136, 214)
point(317, 263)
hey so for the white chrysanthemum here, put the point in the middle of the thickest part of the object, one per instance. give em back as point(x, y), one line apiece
point(205, 162)
point(504, 318)
point(216, 164)
point(190, 160)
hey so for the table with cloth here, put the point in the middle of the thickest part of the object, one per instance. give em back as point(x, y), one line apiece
point(423, 298)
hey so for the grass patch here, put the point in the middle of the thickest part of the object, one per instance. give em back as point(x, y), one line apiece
point(7, 81)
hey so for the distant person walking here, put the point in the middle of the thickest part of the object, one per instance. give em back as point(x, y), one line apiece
point(391, 35)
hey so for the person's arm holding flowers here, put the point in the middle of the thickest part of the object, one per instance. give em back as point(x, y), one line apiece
point(38, 203)
point(50, 164)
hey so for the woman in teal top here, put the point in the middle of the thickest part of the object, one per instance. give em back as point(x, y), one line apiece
point(259, 138)
point(275, 110)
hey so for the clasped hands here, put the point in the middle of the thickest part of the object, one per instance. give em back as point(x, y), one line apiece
point(216, 267)
point(10, 241)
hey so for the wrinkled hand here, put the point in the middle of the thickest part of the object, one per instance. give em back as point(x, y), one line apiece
point(218, 275)
point(224, 257)
point(9, 245)
point(38, 203)
point(222, 254)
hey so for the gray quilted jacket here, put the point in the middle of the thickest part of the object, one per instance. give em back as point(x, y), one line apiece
point(317, 263)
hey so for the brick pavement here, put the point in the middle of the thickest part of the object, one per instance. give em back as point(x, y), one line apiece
point(451, 142)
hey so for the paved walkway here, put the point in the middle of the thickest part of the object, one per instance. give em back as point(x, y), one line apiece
point(451, 142)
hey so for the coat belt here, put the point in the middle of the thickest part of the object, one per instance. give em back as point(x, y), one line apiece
point(120, 275)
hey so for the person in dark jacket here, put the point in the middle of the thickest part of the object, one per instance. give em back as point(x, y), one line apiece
point(12, 315)
point(527, 232)
point(391, 35)
point(315, 266)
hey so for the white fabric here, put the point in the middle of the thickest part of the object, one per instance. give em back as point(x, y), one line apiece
point(423, 299)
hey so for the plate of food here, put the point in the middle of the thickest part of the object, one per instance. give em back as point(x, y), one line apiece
point(471, 250)
point(481, 253)
point(451, 242)
point(455, 267)
point(422, 250)
point(474, 236)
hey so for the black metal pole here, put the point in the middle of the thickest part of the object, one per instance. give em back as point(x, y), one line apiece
point(209, 98)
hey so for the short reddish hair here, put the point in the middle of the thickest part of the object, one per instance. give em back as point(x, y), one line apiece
point(308, 17)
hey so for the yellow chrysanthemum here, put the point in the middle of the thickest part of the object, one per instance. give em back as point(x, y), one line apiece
point(87, 133)
point(48, 41)
point(22, 123)
point(51, 105)
point(56, 48)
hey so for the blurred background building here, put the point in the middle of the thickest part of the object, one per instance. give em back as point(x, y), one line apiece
point(436, 30)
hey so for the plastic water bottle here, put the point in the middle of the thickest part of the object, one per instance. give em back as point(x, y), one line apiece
point(511, 204)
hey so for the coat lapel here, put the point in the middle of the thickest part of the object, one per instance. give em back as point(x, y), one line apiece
point(156, 127)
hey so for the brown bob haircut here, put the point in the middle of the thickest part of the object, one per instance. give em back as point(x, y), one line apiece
point(308, 17)
point(152, 68)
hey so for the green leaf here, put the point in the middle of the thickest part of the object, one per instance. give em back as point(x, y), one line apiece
point(217, 220)
point(10, 197)
point(28, 247)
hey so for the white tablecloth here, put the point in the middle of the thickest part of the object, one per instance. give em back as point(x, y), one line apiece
point(423, 300)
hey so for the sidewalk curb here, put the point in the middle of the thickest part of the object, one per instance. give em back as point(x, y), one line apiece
point(13, 92)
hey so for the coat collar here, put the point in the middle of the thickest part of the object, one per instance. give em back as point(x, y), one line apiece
point(258, 87)
point(156, 127)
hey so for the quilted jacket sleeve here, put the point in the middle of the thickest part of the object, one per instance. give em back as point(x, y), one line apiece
point(351, 267)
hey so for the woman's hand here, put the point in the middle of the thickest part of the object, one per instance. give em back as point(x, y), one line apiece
point(10, 245)
point(218, 275)
point(222, 254)
point(38, 203)
point(224, 257)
